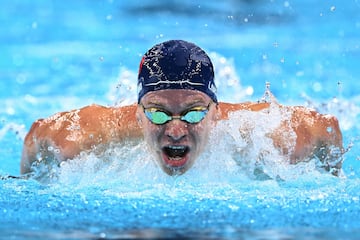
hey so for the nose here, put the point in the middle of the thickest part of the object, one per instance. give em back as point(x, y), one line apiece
point(176, 130)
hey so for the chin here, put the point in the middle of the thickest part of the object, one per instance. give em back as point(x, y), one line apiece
point(175, 170)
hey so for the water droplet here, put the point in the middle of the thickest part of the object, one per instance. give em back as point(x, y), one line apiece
point(34, 25)
point(249, 90)
point(317, 87)
point(300, 73)
point(10, 110)
point(21, 78)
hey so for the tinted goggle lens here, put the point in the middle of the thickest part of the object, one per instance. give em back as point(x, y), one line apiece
point(157, 116)
point(194, 116)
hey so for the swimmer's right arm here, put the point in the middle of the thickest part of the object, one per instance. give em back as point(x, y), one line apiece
point(64, 135)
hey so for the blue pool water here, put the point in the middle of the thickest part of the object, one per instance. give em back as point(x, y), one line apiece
point(60, 55)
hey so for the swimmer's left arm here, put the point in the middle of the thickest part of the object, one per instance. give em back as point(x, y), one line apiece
point(318, 135)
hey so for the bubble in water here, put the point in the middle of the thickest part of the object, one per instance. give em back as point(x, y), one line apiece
point(317, 87)
point(249, 90)
point(332, 8)
point(21, 78)
point(34, 25)
point(10, 110)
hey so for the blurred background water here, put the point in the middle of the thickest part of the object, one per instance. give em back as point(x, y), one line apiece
point(60, 55)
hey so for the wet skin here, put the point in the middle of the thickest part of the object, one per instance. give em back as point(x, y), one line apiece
point(176, 144)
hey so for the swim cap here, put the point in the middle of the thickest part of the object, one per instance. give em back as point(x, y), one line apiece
point(176, 64)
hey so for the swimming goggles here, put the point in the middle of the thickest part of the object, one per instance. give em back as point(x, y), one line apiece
point(159, 116)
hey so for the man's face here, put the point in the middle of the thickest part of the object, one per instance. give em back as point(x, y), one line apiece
point(176, 143)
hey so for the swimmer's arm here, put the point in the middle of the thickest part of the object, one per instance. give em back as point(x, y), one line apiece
point(40, 142)
point(224, 109)
point(64, 135)
point(318, 135)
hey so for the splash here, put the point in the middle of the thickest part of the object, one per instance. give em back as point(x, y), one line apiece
point(242, 147)
point(235, 153)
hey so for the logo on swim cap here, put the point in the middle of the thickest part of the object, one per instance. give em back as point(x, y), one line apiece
point(176, 64)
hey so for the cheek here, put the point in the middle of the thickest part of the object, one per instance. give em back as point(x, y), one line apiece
point(151, 133)
point(199, 131)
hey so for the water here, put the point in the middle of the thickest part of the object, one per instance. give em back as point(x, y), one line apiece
point(58, 56)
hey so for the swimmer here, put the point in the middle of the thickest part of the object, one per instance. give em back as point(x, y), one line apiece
point(177, 108)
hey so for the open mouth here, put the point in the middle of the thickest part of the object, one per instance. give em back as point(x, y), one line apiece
point(175, 155)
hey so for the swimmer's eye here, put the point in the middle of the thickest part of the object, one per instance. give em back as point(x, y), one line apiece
point(193, 115)
point(157, 116)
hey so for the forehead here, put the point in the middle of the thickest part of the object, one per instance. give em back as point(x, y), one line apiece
point(180, 97)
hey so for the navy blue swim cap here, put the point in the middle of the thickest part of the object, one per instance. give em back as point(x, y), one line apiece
point(176, 64)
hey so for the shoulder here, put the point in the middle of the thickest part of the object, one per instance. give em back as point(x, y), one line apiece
point(90, 112)
point(225, 108)
point(91, 118)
